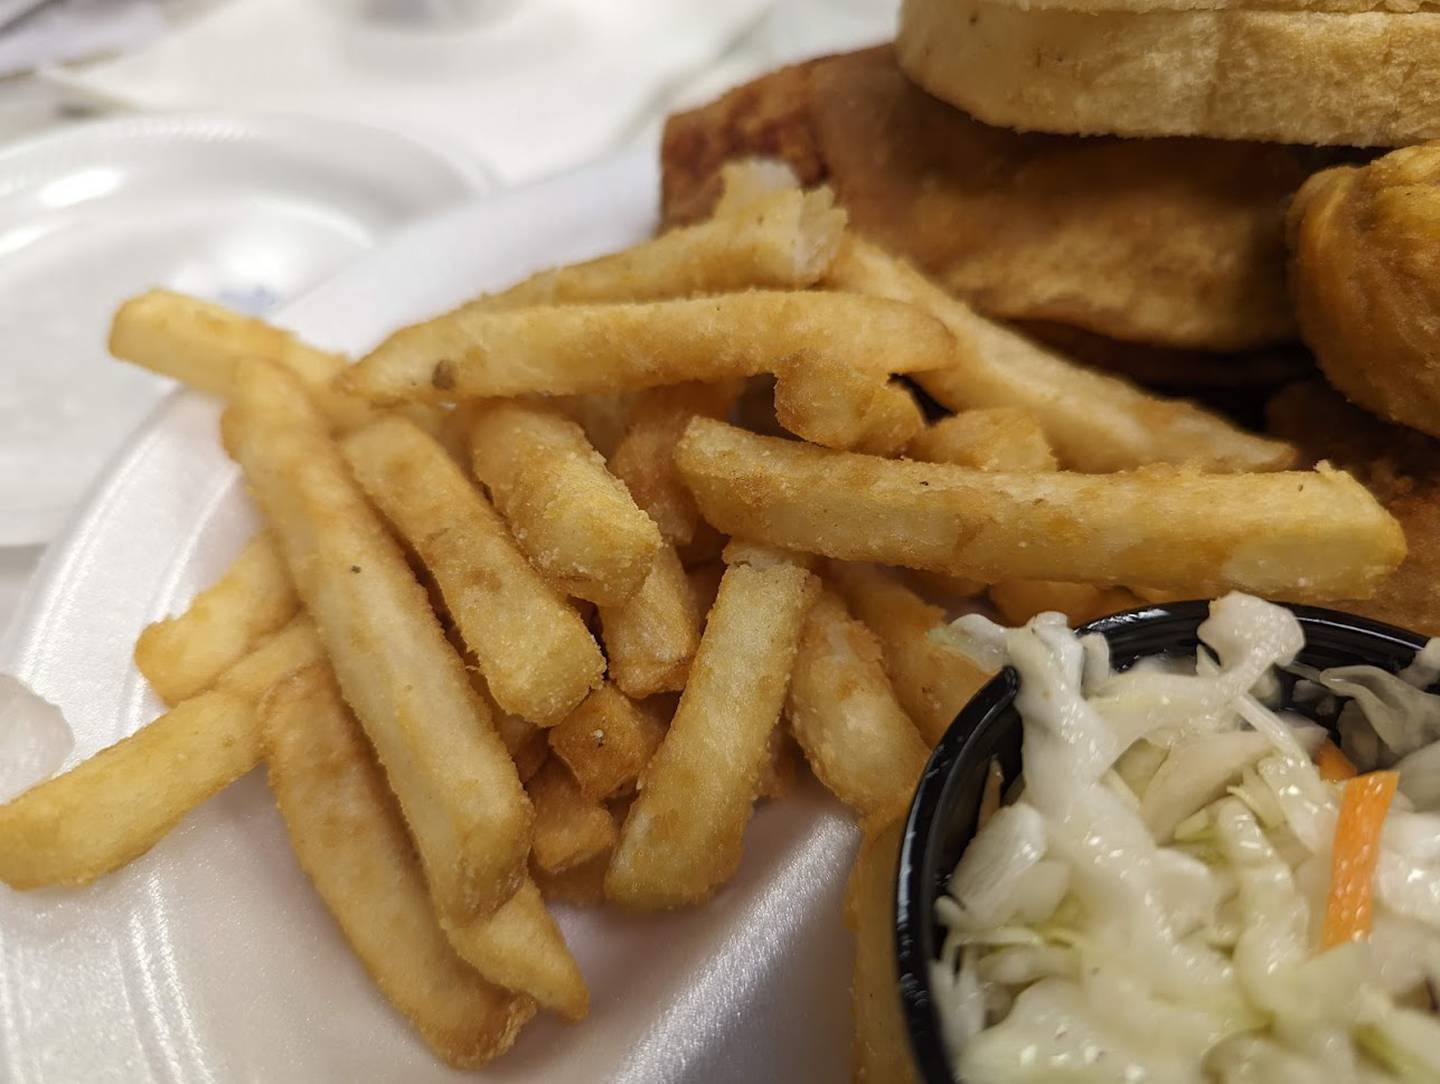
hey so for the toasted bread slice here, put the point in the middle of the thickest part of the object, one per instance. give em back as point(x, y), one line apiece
point(1368, 79)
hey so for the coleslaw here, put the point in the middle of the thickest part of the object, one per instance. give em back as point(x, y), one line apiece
point(1191, 884)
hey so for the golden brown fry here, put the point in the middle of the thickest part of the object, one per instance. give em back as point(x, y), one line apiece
point(1315, 535)
point(651, 636)
point(931, 682)
point(781, 766)
point(946, 588)
point(538, 658)
point(605, 418)
point(561, 350)
point(682, 837)
point(747, 181)
point(830, 402)
point(581, 886)
point(181, 656)
point(456, 784)
point(1095, 422)
point(570, 829)
point(644, 459)
point(200, 343)
point(524, 741)
point(742, 551)
point(575, 520)
point(115, 806)
point(351, 841)
point(844, 713)
point(1020, 600)
point(606, 742)
point(273, 659)
point(994, 438)
point(882, 1042)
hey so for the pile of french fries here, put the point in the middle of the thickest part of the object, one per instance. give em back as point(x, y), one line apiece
point(543, 600)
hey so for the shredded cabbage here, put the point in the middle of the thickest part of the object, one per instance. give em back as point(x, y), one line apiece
point(1147, 908)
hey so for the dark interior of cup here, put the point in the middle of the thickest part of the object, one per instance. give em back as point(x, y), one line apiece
point(946, 804)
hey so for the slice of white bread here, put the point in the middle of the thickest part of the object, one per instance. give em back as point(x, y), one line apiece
point(1368, 79)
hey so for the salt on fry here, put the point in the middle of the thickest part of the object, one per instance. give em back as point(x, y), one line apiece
point(606, 742)
point(993, 438)
point(1301, 535)
point(567, 349)
point(455, 782)
point(350, 840)
point(844, 713)
point(183, 655)
point(1095, 422)
point(538, 658)
point(681, 839)
point(570, 829)
point(931, 682)
point(575, 520)
point(827, 401)
point(644, 458)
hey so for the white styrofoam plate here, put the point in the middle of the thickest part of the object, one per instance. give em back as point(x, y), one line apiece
point(250, 211)
point(210, 958)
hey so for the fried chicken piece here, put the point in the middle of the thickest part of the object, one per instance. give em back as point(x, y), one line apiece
point(1401, 467)
point(1366, 278)
point(1171, 241)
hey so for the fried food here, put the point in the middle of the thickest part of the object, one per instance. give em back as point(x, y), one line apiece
point(1366, 279)
point(681, 839)
point(828, 401)
point(606, 742)
point(652, 636)
point(575, 520)
point(538, 658)
point(1177, 242)
point(1313, 534)
point(351, 842)
point(451, 773)
point(931, 682)
point(1095, 422)
point(570, 829)
point(1365, 79)
point(882, 1041)
point(1020, 600)
point(1402, 468)
point(644, 457)
point(844, 713)
point(565, 349)
point(181, 656)
point(994, 438)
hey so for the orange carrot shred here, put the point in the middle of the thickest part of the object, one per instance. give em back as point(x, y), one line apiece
point(1333, 764)
point(1363, 805)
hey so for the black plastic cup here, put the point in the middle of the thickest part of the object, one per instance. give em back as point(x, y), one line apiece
point(947, 803)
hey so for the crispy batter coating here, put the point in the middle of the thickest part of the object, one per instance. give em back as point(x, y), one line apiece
point(1366, 279)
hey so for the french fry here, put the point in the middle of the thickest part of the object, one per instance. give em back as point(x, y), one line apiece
point(350, 840)
point(1020, 600)
point(605, 418)
point(993, 438)
point(538, 658)
point(882, 1041)
point(931, 682)
point(746, 181)
point(200, 344)
point(705, 585)
point(681, 839)
point(566, 349)
point(777, 773)
point(742, 551)
point(945, 587)
point(829, 402)
point(581, 886)
point(181, 656)
point(524, 741)
point(844, 713)
point(115, 806)
point(575, 520)
point(1097, 423)
point(1299, 535)
point(644, 459)
point(606, 742)
point(455, 782)
point(782, 239)
point(570, 829)
point(651, 636)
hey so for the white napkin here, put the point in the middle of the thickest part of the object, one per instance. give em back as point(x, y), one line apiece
point(551, 85)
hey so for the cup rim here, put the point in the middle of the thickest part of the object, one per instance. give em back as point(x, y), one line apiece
point(916, 874)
